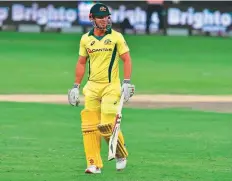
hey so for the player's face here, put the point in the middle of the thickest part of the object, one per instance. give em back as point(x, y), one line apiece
point(102, 21)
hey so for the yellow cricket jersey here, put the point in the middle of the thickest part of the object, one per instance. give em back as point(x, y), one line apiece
point(103, 55)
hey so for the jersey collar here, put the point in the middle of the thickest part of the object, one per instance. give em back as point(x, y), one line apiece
point(107, 32)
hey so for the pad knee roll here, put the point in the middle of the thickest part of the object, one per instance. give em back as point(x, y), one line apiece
point(90, 120)
point(106, 132)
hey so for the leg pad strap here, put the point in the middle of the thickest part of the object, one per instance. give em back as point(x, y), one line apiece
point(106, 132)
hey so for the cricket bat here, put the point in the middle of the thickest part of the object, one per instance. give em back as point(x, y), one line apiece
point(114, 137)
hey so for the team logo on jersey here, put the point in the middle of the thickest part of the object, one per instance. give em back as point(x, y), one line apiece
point(89, 50)
point(107, 42)
point(98, 50)
point(92, 43)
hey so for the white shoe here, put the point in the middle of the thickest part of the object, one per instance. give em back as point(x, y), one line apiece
point(121, 163)
point(92, 169)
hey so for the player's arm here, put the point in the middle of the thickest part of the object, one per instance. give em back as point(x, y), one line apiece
point(124, 54)
point(126, 58)
point(81, 63)
point(80, 69)
point(123, 50)
point(127, 86)
point(74, 93)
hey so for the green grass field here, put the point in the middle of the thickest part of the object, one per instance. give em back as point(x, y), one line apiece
point(45, 63)
point(44, 142)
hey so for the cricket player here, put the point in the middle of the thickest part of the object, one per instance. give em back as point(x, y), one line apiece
point(102, 48)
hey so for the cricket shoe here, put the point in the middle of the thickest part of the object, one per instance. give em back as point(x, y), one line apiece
point(92, 169)
point(121, 163)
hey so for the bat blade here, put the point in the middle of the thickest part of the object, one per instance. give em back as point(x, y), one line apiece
point(114, 139)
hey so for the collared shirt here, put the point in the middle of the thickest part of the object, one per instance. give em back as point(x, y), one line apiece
point(103, 55)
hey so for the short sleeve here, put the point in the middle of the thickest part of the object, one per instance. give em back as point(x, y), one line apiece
point(82, 49)
point(122, 45)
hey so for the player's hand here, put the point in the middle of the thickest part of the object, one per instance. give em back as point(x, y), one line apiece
point(128, 90)
point(73, 95)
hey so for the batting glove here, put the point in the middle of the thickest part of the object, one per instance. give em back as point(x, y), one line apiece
point(128, 89)
point(73, 95)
